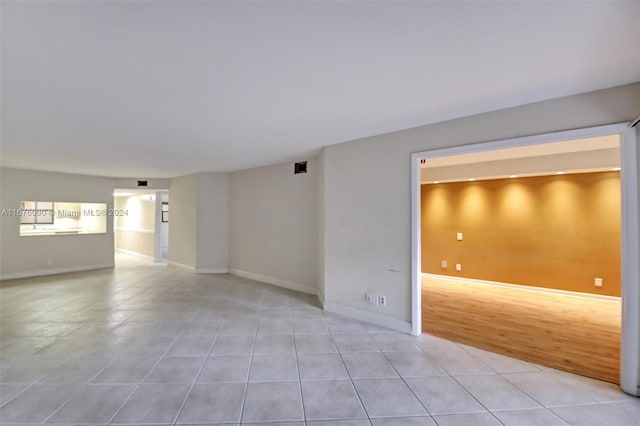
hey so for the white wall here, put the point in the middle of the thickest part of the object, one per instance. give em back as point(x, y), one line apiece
point(212, 236)
point(41, 255)
point(198, 230)
point(274, 226)
point(366, 212)
point(182, 231)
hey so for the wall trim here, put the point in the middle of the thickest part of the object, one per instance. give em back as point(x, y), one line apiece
point(372, 317)
point(138, 230)
point(273, 281)
point(181, 265)
point(630, 339)
point(524, 287)
point(135, 254)
point(53, 271)
point(212, 270)
point(320, 297)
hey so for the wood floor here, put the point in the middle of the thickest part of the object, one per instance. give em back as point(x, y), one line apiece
point(568, 333)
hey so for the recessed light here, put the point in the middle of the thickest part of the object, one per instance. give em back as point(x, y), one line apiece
point(559, 173)
point(472, 179)
point(513, 176)
point(615, 169)
point(436, 181)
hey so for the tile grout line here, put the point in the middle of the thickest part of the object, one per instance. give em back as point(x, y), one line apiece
point(473, 396)
point(141, 382)
point(170, 296)
point(407, 384)
point(195, 380)
point(253, 347)
point(353, 385)
point(65, 359)
point(83, 384)
point(53, 384)
point(449, 375)
point(503, 375)
point(295, 351)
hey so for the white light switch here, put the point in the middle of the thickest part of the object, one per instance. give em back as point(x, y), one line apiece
point(458, 267)
point(459, 236)
point(444, 263)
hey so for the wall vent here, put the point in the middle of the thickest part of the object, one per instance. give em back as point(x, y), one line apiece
point(300, 167)
point(143, 183)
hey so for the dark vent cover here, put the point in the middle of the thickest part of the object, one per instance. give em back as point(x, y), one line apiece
point(142, 183)
point(300, 167)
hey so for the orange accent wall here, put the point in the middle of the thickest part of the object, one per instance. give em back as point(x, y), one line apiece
point(558, 231)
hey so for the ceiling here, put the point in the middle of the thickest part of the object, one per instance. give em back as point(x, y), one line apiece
point(586, 155)
point(528, 151)
point(167, 88)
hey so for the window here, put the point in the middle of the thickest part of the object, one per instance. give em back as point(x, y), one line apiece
point(63, 218)
point(36, 212)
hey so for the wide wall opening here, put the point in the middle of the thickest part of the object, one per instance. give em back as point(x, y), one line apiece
point(141, 224)
point(521, 252)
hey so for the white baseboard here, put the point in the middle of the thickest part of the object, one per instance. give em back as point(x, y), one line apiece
point(372, 317)
point(181, 265)
point(524, 287)
point(135, 254)
point(53, 271)
point(212, 271)
point(137, 230)
point(274, 281)
point(320, 297)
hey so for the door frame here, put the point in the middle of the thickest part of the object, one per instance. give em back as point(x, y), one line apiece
point(630, 233)
point(157, 240)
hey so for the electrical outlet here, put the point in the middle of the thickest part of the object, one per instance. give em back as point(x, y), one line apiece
point(383, 300)
point(597, 282)
point(444, 263)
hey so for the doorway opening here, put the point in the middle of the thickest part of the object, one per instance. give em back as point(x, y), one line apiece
point(141, 224)
point(481, 182)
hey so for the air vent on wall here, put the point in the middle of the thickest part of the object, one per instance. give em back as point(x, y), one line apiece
point(142, 183)
point(300, 167)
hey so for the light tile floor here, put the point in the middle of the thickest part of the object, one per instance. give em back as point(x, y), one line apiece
point(151, 344)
